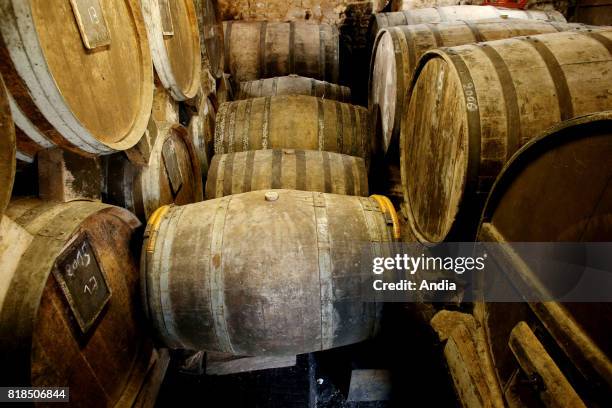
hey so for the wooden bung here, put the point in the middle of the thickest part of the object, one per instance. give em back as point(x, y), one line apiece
point(307, 170)
point(293, 85)
point(172, 27)
point(473, 106)
point(292, 122)
point(397, 51)
point(268, 272)
point(172, 174)
point(255, 50)
point(454, 13)
point(555, 189)
point(70, 314)
point(79, 74)
point(7, 149)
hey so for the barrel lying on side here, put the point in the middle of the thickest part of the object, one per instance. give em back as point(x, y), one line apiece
point(7, 149)
point(398, 49)
point(293, 85)
point(70, 314)
point(557, 189)
point(255, 50)
point(211, 34)
point(292, 122)
point(174, 38)
point(264, 273)
point(308, 170)
point(202, 133)
point(172, 175)
point(76, 81)
point(471, 108)
point(454, 13)
point(401, 5)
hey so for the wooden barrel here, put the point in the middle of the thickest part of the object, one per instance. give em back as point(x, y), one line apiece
point(293, 85)
point(471, 108)
point(556, 189)
point(398, 49)
point(175, 45)
point(211, 35)
point(454, 13)
point(70, 314)
point(287, 289)
point(597, 12)
point(79, 82)
point(7, 149)
point(173, 175)
point(401, 5)
point(292, 122)
point(225, 89)
point(202, 133)
point(308, 170)
point(255, 50)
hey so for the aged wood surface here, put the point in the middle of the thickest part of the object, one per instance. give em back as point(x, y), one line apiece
point(454, 13)
point(293, 85)
point(473, 106)
point(397, 51)
point(246, 364)
point(211, 34)
point(175, 45)
point(293, 122)
point(172, 175)
point(202, 133)
point(41, 343)
point(556, 190)
point(7, 149)
point(307, 170)
point(65, 176)
point(597, 12)
point(90, 101)
point(255, 50)
point(268, 272)
point(400, 5)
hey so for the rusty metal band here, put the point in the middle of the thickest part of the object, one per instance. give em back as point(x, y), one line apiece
point(474, 130)
point(513, 117)
point(217, 278)
point(221, 167)
point(475, 31)
point(528, 14)
point(261, 83)
point(247, 125)
point(292, 47)
point(349, 179)
point(275, 86)
point(227, 50)
point(249, 168)
point(321, 127)
point(232, 112)
point(327, 179)
point(322, 52)
point(406, 17)
point(329, 91)
point(277, 168)
point(438, 40)
point(263, 31)
point(363, 178)
point(410, 43)
point(564, 97)
point(339, 127)
point(603, 40)
point(265, 131)
point(325, 271)
point(164, 258)
point(313, 87)
point(557, 26)
point(220, 129)
point(300, 170)
point(354, 142)
point(335, 65)
point(228, 174)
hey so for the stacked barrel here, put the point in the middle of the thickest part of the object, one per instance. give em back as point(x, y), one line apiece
point(475, 104)
point(277, 247)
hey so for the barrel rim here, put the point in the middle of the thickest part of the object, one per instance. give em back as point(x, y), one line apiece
point(70, 130)
point(7, 148)
point(462, 206)
point(553, 136)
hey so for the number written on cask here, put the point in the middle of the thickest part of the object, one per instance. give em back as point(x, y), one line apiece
point(91, 22)
point(82, 280)
point(470, 97)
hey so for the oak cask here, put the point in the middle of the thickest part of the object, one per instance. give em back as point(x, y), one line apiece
point(211, 35)
point(293, 85)
point(7, 149)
